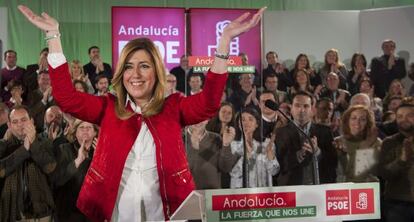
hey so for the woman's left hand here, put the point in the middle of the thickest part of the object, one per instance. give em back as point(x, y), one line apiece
point(241, 25)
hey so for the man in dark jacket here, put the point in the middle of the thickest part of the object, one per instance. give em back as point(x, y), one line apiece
point(294, 152)
point(386, 68)
point(96, 66)
point(396, 166)
point(25, 161)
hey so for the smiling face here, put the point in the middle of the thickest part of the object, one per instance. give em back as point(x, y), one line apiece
point(139, 77)
point(85, 132)
point(301, 78)
point(76, 69)
point(249, 123)
point(331, 57)
point(358, 122)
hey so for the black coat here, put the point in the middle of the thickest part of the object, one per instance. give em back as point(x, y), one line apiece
point(289, 141)
point(68, 180)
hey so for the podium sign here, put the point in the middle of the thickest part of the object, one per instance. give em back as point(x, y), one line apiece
point(328, 202)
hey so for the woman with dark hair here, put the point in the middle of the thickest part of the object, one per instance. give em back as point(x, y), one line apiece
point(80, 86)
point(358, 146)
point(223, 124)
point(140, 171)
point(357, 73)
point(302, 63)
point(301, 83)
point(223, 119)
point(262, 162)
point(396, 89)
point(74, 159)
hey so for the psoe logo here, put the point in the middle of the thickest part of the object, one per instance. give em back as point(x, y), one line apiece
point(346, 202)
point(234, 44)
point(337, 202)
point(362, 201)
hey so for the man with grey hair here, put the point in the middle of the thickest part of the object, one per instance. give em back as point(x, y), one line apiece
point(361, 99)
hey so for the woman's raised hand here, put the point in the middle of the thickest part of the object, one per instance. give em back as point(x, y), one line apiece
point(44, 21)
point(235, 28)
point(241, 25)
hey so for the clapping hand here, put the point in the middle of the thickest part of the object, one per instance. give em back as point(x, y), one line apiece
point(228, 135)
point(30, 132)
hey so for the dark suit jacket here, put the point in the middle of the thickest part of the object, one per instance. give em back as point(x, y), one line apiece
point(382, 77)
point(288, 142)
point(90, 70)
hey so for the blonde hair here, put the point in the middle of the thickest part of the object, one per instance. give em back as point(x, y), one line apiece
point(78, 63)
point(337, 61)
point(156, 102)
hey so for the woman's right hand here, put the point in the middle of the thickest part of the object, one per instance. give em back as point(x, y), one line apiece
point(228, 135)
point(44, 21)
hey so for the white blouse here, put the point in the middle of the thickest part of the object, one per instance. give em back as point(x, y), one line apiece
point(139, 196)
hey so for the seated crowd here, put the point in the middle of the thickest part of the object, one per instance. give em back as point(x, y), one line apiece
point(360, 121)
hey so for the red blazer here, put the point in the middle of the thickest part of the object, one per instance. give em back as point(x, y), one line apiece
point(116, 138)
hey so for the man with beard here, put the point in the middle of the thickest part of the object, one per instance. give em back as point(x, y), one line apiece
point(396, 166)
point(53, 128)
point(294, 152)
point(102, 85)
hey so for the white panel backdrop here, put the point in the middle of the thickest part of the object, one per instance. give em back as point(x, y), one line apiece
point(314, 32)
point(3, 32)
point(395, 23)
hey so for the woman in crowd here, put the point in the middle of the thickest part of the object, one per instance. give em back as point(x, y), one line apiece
point(396, 89)
point(262, 162)
point(221, 123)
point(357, 73)
point(302, 63)
point(358, 146)
point(209, 155)
point(77, 73)
point(223, 120)
point(80, 86)
point(74, 159)
point(147, 140)
point(333, 64)
point(301, 83)
point(366, 87)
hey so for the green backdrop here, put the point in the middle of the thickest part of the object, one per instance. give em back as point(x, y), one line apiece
point(87, 22)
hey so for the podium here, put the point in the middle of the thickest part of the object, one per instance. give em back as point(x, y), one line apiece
point(326, 203)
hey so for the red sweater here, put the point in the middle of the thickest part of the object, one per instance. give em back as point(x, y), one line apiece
point(116, 138)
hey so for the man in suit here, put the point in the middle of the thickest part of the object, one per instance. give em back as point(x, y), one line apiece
point(294, 152)
point(96, 66)
point(386, 68)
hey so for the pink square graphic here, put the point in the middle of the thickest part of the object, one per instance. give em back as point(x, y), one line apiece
point(337, 202)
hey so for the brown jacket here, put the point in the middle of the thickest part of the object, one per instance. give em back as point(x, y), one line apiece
point(398, 175)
